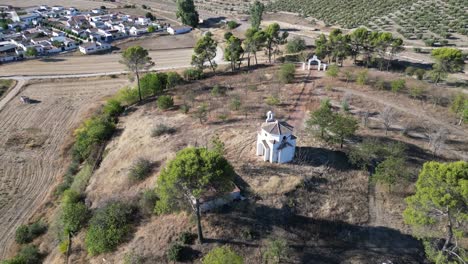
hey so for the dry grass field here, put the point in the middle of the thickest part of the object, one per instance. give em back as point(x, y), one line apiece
point(319, 203)
point(32, 141)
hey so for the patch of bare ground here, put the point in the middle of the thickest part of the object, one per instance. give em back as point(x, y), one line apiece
point(162, 41)
point(32, 141)
point(89, 64)
point(318, 203)
point(415, 121)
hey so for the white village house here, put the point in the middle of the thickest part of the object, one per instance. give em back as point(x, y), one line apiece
point(275, 141)
point(178, 30)
point(93, 47)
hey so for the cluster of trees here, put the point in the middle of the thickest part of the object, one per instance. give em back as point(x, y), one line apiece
point(447, 60)
point(460, 108)
point(205, 52)
point(375, 47)
point(26, 233)
point(74, 216)
point(236, 49)
point(381, 159)
point(335, 127)
point(109, 227)
point(438, 210)
point(187, 13)
point(28, 254)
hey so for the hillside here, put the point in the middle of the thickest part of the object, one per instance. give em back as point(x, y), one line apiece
point(320, 204)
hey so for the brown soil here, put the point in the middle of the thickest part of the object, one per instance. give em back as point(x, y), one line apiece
point(32, 138)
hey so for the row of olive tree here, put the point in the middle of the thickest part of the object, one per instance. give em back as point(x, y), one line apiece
point(255, 40)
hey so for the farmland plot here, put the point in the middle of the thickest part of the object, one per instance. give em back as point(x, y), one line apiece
point(32, 141)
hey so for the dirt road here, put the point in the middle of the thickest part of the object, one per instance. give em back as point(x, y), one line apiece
point(164, 59)
point(31, 140)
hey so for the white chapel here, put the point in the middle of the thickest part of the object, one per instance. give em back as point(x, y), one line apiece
point(275, 141)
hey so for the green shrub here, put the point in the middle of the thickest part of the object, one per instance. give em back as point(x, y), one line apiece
point(277, 249)
point(108, 228)
point(361, 78)
point(92, 132)
point(174, 253)
point(410, 71)
point(27, 233)
point(63, 246)
point(161, 129)
point(420, 73)
point(333, 71)
point(223, 117)
point(184, 108)
point(127, 96)
point(222, 254)
point(297, 44)
point(132, 258)
point(380, 84)
point(28, 254)
point(187, 238)
point(22, 235)
point(232, 24)
point(37, 228)
point(72, 169)
point(272, 100)
point(140, 169)
point(74, 214)
point(217, 91)
point(173, 79)
point(286, 73)
point(398, 85)
point(235, 103)
point(153, 83)
point(147, 201)
point(81, 179)
point(113, 108)
point(416, 92)
point(165, 102)
point(389, 171)
point(192, 74)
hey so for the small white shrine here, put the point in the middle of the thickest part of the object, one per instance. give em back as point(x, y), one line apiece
point(314, 59)
point(275, 141)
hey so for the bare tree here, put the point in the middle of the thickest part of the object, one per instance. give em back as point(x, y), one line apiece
point(365, 117)
point(388, 117)
point(407, 127)
point(437, 140)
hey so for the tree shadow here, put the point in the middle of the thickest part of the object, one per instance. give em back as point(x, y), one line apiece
point(322, 157)
point(51, 59)
point(320, 240)
point(33, 101)
point(188, 254)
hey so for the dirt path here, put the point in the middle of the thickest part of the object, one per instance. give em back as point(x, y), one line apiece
point(32, 137)
point(298, 110)
point(13, 92)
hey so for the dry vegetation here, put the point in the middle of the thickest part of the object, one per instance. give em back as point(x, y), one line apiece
point(5, 85)
point(320, 203)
